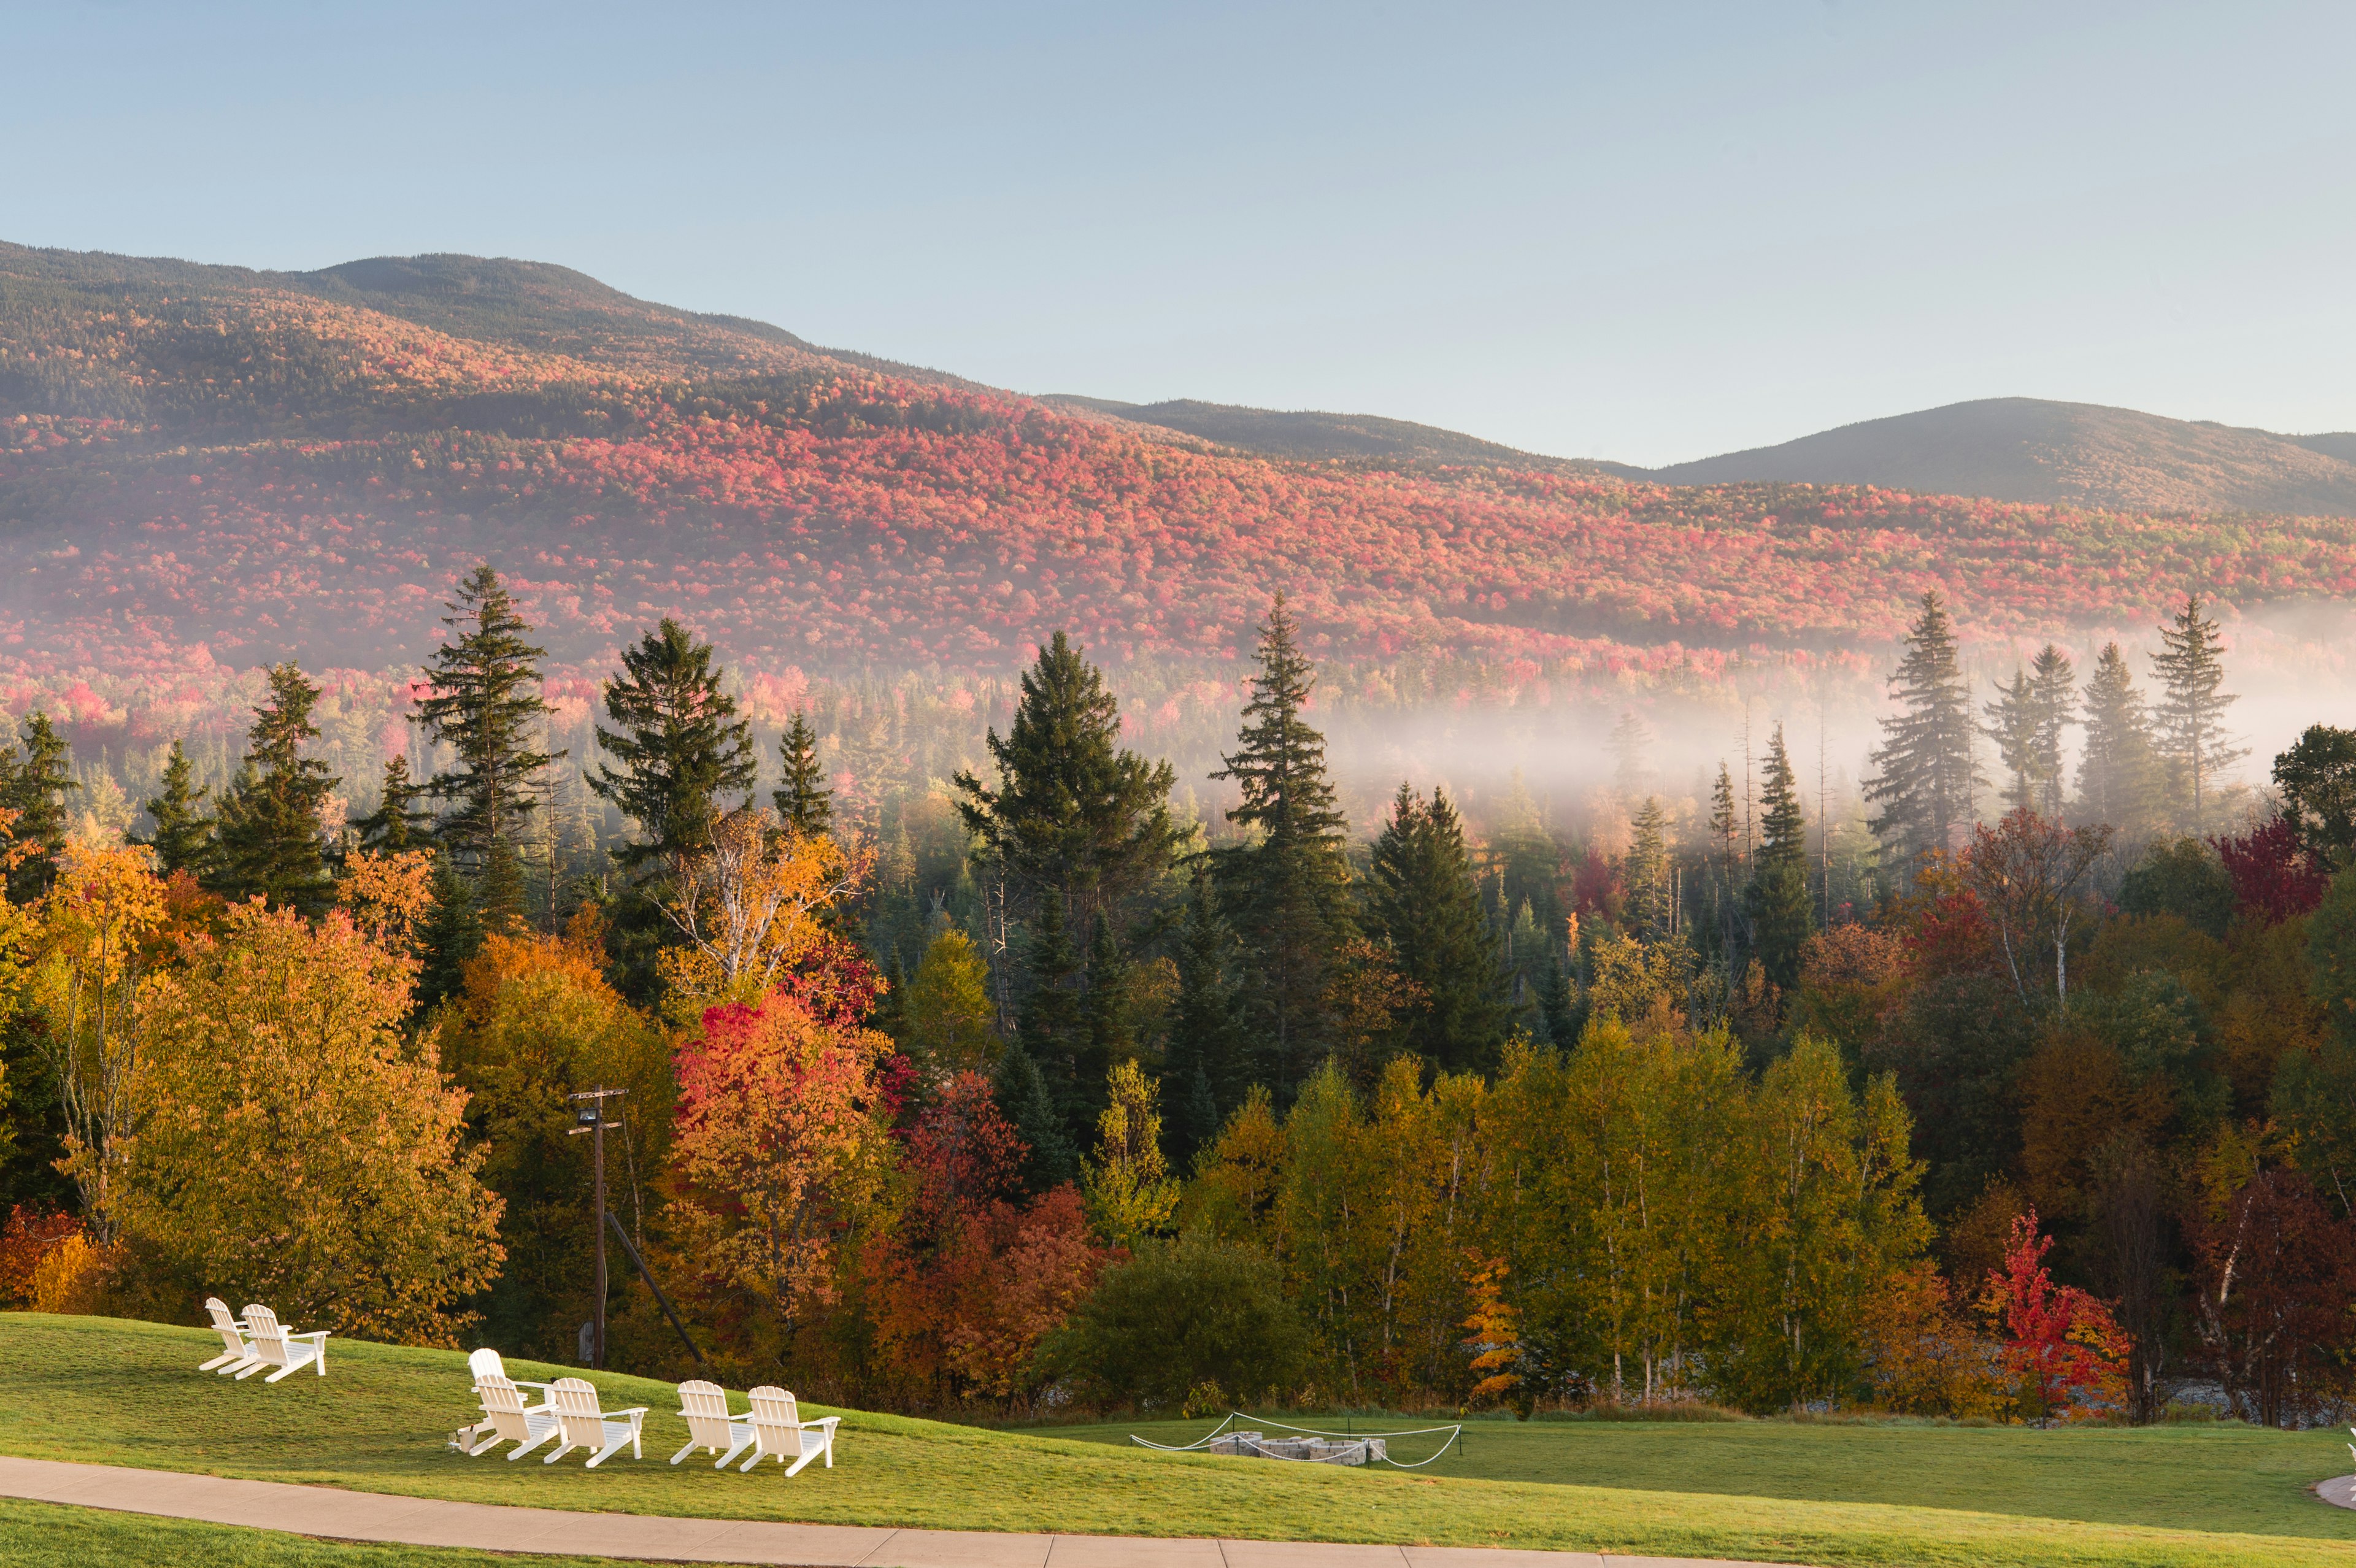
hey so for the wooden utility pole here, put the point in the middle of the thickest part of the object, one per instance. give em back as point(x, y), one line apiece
point(591, 1115)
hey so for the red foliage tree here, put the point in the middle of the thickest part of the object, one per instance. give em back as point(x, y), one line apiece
point(2066, 1356)
point(2273, 877)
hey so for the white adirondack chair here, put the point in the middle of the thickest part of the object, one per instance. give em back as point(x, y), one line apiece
point(507, 1419)
point(704, 1407)
point(581, 1425)
point(780, 1432)
point(274, 1347)
point(236, 1351)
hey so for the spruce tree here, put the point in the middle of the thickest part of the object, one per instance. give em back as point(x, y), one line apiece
point(1285, 891)
point(34, 787)
point(1556, 1007)
point(1051, 1024)
point(1426, 903)
point(1778, 899)
point(2054, 682)
point(271, 845)
point(1645, 872)
point(483, 700)
point(1023, 1099)
point(2012, 725)
point(396, 823)
point(1073, 815)
point(2190, 716)
point(1205, 1043)
point(1925, 782)
point(804, 803)
point(1725, 829)
point(2118, 772)
point(676, 746)
point(1105, 1007)
point(452, 935)
point(183, 840)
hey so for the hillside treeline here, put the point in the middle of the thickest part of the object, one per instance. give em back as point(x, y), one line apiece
point(1049, 1091)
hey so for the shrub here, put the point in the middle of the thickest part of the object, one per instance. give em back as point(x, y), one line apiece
point(1175, 1317)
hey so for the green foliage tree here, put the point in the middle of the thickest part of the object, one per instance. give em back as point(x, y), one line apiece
point(1647, 871)
point(397, 822)
point(1181, 1316)
point(805, 804)
point(1285, 889)
point(2054, 682)
point(269, 833)
point(946, 1019)
point(2316, 777)
point(483, 698)
point(1023, 1097)
point(1426, 903)
point(1205, 1060)
point(2181, 876)
point(1052, 1024)
point(676, 746)
point(34, 786)
point(1074, 815)
point(182, 836)
point(2119, 771)
point(1778, 901)
point(2012, 725)
point(1925, 782)
point(2189, 718)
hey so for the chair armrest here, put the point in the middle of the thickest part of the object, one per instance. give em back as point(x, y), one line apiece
point(617, 1414)
point(527, 1383)
point(314, 1334)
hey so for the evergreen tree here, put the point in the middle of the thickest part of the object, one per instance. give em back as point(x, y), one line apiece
point(183, 840)
point(1052, 1026)
point(2054, 681)
point(2190, 716)
point(1778, 898)
point(34, 787)
point(1205, 1044)
point(1024, 1100)
point(1285, 893)
point(2013, 727)
point(452, 935)
point(1925, 782)
point(803, 801)
point(1426, 905)
point(677, 742)
point(1646, 872)
point(1632, 751)
point(268, 832)
point(1074, 815)
point(1557, 1008)
point(1106, 1004)
point(484, 700)
point(2118, 773)
point(396, 823)
point(1725, 828)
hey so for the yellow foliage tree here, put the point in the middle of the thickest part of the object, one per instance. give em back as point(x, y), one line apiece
point(1129, 1193)
point(290, 1148)
point(749, 907)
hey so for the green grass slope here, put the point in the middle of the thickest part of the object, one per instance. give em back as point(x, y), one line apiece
point(103, 1391)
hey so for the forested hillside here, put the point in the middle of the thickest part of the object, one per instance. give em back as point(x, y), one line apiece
point(208, 464)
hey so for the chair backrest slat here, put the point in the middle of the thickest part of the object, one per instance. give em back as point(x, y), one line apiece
point(486, 1362)
point(503, 1403)
point(705, 1406)
point(269, 1339)
point(776, 1422)
point(232, 1337)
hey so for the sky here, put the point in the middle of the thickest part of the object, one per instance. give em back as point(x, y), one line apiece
point(1640, 232)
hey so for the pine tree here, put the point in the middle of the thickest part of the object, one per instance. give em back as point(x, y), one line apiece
point(1725, 826)
point(1426, 905)
point(1631, 750)
point(1074, 815)
point(1926, 781)
point(396, 823)
point(1556, 1007)
point(2054, 681)
point(2118, 773)
point(1645, 872)
point(1286, 892)
point(1778, 899)
point(1106, 1004)
point(804, 803)
point(2190, 716)
point(484, 700)
point(271, 845)
point(1205, 1044)
point(34, 787)
point(453, 934)
point(183, 840)
point(1023, 1099)
point(677, 742)
point(2013, 726)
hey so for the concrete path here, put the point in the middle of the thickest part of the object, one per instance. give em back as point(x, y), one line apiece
point(337, 1515)
point(2340, 1491)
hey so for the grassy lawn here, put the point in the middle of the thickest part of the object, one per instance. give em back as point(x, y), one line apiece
point(128, 1393)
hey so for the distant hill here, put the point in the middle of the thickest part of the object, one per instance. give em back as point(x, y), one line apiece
point(1309, 435)
point(2026, 449)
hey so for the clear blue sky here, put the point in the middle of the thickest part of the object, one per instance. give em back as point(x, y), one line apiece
point(1647, 232)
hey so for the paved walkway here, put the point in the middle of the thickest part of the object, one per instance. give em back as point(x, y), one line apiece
point(337, 1515)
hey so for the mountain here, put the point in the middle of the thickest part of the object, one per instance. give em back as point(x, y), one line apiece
point(203, 469)
point(2078, 455)
point(1306, 434)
